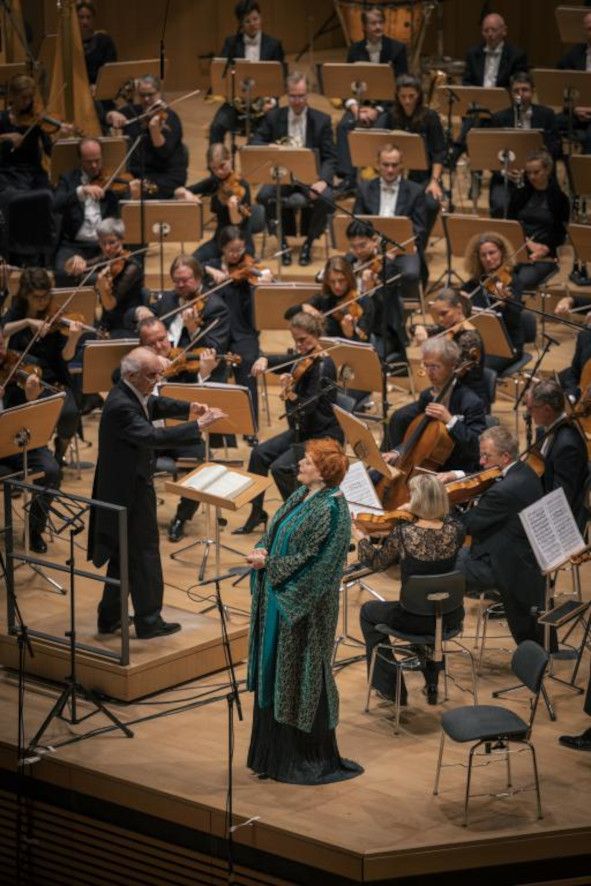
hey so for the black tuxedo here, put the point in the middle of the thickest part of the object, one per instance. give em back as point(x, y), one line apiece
point(393, 52)
point(410, 203)
point(565, 465)
point(165, 167)
point(126, 458)
point(71, 209)
point(575, 59)
point(542, 118)
point(271, 48)
point(500, 546)
point(570, 378)
point(465, 432)
point(512, 60)
point(215, 309)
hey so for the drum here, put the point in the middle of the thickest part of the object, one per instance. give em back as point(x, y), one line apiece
point(401, 21)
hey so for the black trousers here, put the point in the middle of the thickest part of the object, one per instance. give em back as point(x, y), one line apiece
point(146, 584)
point(37, 460)
point(248, 348)
point(278, 456)
point(314, 214)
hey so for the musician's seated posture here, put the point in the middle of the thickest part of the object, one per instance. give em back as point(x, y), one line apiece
point(572, 378)
point(456, 408)
point(82, 202)
point(522, 114)
point(355, 320)
point(251, 44)
point(578, 58)
point(302, 127)
point(409, 114)
point(390, 195)
point(38, 460)
point(561, 444)
point(500, 556)
point(159, 163)
point(230, 200)
point(494, 60)
point(359, 114)
point(24, 145)
point(98, 46)
point(450, 311)
point(494, 284)
point(309, 396)
point(543, 209)
point(427, 546)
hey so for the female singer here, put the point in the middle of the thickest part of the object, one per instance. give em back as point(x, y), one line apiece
point(297, 568)
point(426, 547)
point(409, 114)
point(486, 255)
point(309, 414)
point(230, 200)
point(31, 312)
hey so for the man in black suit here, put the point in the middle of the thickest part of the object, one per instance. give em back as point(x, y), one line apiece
point(500, 555)
point(570, 378)
point(522, 114)
point(561, 445)
point(82, 204)
point(390, 195)
point(250, 43)
point(578, 58)
point(580, 742)
point(495, 60)
point(305, 127)
point(460, 410)
point(377, 49)
point(127, 442)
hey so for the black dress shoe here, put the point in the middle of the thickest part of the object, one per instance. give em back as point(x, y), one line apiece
point(286, 258)
point(251, 440)
point(105, 627)
point(430, 691)
point(580, 742)
point(255, 519)
point(305, 254)
point(37, 543)
point(175, 529)
point(159, 628)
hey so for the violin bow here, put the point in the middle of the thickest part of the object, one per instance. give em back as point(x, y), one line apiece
point(162, 106)
point(123, 163)
point(369, 293)
point(37, 119)
point(296, 360)
point(194, 341)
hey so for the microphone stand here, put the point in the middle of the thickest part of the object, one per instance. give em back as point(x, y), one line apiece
point(230, 69)
point(531, 375)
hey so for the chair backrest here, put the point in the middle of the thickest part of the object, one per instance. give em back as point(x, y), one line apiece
point(490, 377)
point(529, 663)
point(414, 596)
point(529, 326)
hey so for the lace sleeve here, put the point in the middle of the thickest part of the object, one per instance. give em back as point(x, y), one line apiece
point(380, 558)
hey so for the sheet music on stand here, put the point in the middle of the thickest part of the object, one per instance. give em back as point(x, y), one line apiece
point(359, 491)
point(552, 531)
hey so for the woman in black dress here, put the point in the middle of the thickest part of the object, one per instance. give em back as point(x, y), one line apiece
point(426, 547)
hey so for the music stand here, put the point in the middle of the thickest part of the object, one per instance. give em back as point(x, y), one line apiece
point(274, 164)
point(83, 302)
point(160, 220)
point(570, 23)
point(272, 301)
point(469, 98)
point(236, 402)
point(365, 144)
point(100, 359)
point(64, 155)
point(494, 335)
point(362, 442)
point(23, 428)
point(463, 228)
point(580, 237)
point(553, 84)
point(358, 365)
point(114, 75)
point(246, 80)
point(497, 149)
point(394, 227)
point(358, 80)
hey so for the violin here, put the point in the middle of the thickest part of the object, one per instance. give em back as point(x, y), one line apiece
point(374, 524)
point(189, 361)
point(25, 370)
point(350, 307)
point(298, 371)
point(118, 185)
point(498, 284)
point(231, 187)
point(117, 266)
point(247, 269)
point(468, 488)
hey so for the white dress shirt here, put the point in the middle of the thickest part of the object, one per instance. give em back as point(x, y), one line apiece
point(492, 61)
point(296, 127)
point(389, 197)
point(92, 214)
point(374, 50)
point(252, 47)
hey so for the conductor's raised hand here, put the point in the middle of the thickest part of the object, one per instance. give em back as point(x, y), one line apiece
point(210, 416)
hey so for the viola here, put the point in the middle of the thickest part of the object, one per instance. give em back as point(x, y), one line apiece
point(498, 284)
point(298, 371)
point(247, 269)
point(373, 524)
point(231, 187)
point(350, 307)
point(472, 486)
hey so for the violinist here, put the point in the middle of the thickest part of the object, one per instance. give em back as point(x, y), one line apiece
point(31, 313)
point(355, 320)
point(492, 282)
point(82, 202)
point(160, 162)
point(23, 142)
point(561, 444)
point(230, 200)
point(450, 311)
point(461, 411)
point(574, 377)
point(38, 460)
point(309, 395)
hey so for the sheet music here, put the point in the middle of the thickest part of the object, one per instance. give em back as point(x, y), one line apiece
point(359, 491)
point(219, 481)
point(552, 530)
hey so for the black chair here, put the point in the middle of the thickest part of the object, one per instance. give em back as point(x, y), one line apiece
point(494, 727)
point(429, 596)
point(490, 378)
point(32, 228)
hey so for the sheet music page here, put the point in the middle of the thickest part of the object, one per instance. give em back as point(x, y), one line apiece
point(552, 530)
point(359, 491)
point(204, 477)
point(229, 485)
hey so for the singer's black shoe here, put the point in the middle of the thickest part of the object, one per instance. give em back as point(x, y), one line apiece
point(305, 254)
point(176, 529)
point(255, 519)
point(37, 542)
point(286, 257)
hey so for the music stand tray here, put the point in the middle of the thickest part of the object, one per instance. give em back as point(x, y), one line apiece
point(462, 228)
point(398, 227)
point(553, 83)
point(266, 77)
point(362, 442)
point(570, 23)
point(114, 75)
point(580, 167)
point(358, 365)
point(234, 400)
point(487, 146)
point(365, 144)
point(260, 164)
point(174, 220)
point(272, 301)
point(492, 98)
point(494, 335)
point(64, 155)
point(100, 359)
point(359, 80)
point(580, 237)
point(83, 302)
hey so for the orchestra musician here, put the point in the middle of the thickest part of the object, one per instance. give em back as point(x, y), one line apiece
point(307, 128)
point(390, 195)
point(578, 58)
point(500, 555)
point(250, 43)
point(427, 546)
point(461, 411)
point(495, 59)
point(82, 202)
point(99, 47)
point(571, 377)
point(377, 49)
point(128, 439)
point(488, 262)
point(24, 143)
point(230, 200)
point(561, 444)
point(309, 395)
point(355, 321)
point(160, 161)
